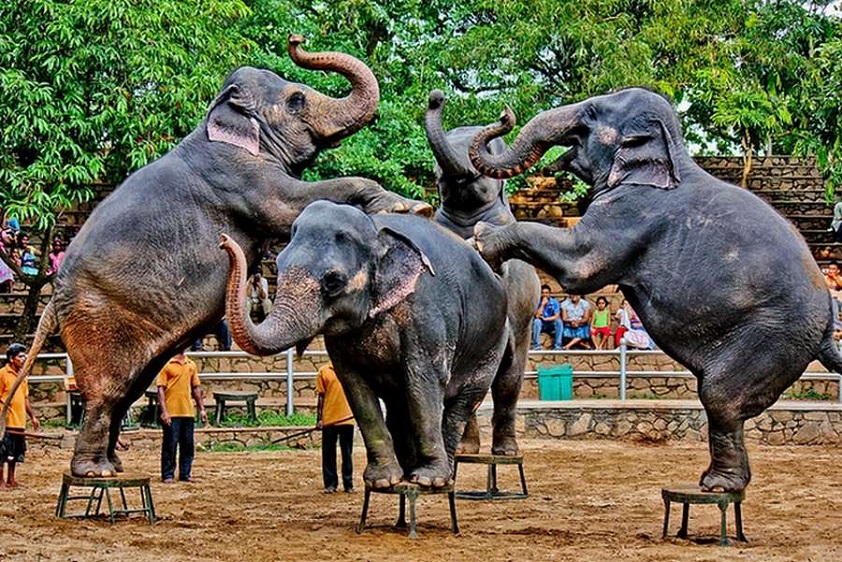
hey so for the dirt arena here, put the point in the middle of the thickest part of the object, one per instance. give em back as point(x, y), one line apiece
point(589, 501)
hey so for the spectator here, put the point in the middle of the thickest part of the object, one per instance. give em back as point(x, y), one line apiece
point(636, 336)
point(259, 304)
point(177, 381)
point(836, 222)
point(334, 418)
point(623, 323)
point(576, 317)
point(547, 319)
point(7, 276)
point(28, 254)
point(13, 445)
point(833, 278)
point(10, 223)
point(56, 255)
point(601, 324)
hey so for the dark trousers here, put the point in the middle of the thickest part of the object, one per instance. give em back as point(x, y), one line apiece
point(345, 434)
point(177, 435)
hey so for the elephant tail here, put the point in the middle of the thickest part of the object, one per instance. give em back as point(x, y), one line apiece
point(829, 355)
point(46, 326)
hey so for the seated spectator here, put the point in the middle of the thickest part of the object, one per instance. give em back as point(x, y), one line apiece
point(56, 255)
point(547, 320)
point(576, 318)
point(259, 303)
point(636, 335)
point(601, 324)
point(223, 337)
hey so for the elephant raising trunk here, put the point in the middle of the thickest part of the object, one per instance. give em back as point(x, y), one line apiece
point(452, 163)
point(282, 328)
point(340, 117)
point(541, 133)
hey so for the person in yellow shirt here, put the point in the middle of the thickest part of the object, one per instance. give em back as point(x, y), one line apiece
point(334, 418)
point(177, 381)
point(13, 445)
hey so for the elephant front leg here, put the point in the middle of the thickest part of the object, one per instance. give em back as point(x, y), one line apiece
point(425, 393)
point(470, 442)
point(382, 470)
point(90, 457)
point(505, 390)
point(729, 470)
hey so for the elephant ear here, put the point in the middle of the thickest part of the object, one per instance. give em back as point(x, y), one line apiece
point(647, 156)
point(230, 120)
point(400, 263)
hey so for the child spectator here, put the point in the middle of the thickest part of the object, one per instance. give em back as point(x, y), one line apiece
point(601, 324)
point(56, 255)
point(28, 255)
point(176, 382)
point(13, 445)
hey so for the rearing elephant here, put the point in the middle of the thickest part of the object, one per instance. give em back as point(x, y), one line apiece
point(143, 277)
point(722, 282)
point(411, 315)
point(467, 197)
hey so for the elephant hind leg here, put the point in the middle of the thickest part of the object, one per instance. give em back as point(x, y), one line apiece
point(470, 442)
point(505, 390)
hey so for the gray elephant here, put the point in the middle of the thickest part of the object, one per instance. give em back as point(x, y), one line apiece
point(468, 197)
point(143, 278)
point(722, 282)
point(411, 315)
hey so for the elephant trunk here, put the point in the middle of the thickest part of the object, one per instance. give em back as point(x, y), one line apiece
point(281, 329)
point(339, 118)
point(542, 132)
point(447, 158)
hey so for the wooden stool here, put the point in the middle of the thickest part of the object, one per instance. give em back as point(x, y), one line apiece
point(103, 486)
point(411, 491)
point(688, 494)
point(223, 398)
point(491, 491)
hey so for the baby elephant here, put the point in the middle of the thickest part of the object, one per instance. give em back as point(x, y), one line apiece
point(411, 315)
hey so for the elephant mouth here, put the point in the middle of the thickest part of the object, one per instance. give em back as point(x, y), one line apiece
point(563, 162)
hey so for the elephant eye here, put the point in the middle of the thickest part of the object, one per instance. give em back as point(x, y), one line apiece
point(333, 283)
point(295, 103)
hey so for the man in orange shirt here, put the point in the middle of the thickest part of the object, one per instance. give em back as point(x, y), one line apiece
point(13, 445)
point(334, 418)
point(177, 381)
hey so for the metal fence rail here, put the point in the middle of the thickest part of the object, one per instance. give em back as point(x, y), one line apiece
point(623, 353)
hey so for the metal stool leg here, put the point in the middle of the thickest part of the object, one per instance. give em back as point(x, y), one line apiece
point(738, 515)
point(494, 489)
point(666, 517)
point(685, 516)
point(413, 495)
point(451, 498)
point(218, 411)
point(401, 522)
point(723, 524)
point(522, 479)
point(361, 524)
point(62, 500)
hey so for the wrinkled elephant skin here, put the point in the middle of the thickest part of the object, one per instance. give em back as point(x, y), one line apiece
point(143, 278)
point(721, 281)
point(411, 315)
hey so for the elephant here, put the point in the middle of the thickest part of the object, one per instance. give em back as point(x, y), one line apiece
point(468, 197)
point(410, 314)
point(143, 278)
point(722, 282)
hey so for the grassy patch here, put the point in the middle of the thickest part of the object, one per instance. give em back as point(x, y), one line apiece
point(267, 419)
point(230, 447)
point(808, 394)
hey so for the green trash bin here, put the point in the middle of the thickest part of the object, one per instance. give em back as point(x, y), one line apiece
point(555, 382)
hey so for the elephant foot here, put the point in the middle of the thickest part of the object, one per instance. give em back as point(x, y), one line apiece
point(378, 477)
point(470, 448)
point(505, 446)
point(716, 481)
point(92, 468)
point(116, 462)
point(470, 442)
point(430, 476)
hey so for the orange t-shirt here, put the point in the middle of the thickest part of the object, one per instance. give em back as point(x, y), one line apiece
point(178, 380)
point(335, 407)
point(16, 418)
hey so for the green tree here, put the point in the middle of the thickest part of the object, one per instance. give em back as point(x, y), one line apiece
point(90, 91)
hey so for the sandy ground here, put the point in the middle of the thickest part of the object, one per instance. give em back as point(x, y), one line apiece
point(589, 501)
